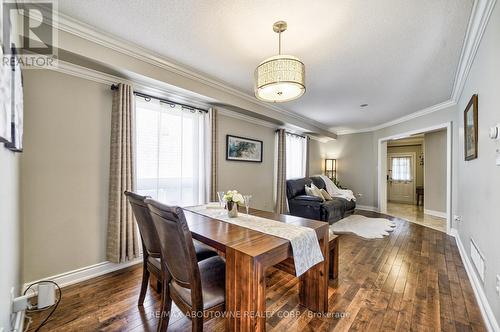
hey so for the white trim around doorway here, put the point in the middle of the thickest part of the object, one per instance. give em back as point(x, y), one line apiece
point(382, 179)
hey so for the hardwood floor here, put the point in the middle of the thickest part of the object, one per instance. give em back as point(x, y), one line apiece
point(416, 215)
point(413, 279)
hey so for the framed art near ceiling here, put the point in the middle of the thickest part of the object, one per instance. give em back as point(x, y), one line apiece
point(243, 149)
point(15, 142)
point(11, 95)
point(471, 129)
point(5, 100)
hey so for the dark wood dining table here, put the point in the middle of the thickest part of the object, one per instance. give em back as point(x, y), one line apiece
point(249, 254)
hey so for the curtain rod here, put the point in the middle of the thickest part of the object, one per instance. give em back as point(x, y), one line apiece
point(163, 100)
point(289, 133)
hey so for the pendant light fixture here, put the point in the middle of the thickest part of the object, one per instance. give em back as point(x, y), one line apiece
point(282, 77)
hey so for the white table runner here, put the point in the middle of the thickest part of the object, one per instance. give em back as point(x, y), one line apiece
point(305, 244)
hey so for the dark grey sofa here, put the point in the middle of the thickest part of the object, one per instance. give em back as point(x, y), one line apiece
point(312, 207)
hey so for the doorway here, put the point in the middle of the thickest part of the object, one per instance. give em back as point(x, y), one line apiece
point(410, 188)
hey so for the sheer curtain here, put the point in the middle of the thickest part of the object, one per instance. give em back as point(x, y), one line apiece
point(173, 153)
point(401, 168)
point(296, 156)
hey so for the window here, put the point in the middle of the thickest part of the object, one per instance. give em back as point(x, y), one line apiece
point(296, 156)
point(401, 168)
point(170, 152)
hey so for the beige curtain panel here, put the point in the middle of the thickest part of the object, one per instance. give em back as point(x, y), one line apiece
point(213, 155)
point(281, 204)
point(122, 237)
point(308, 144)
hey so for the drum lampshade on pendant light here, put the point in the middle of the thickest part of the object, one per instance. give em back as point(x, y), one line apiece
point(280, 78)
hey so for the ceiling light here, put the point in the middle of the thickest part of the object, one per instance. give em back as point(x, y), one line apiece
point(282, 77)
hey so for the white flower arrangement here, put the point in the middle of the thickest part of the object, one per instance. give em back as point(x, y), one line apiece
point(234, 196)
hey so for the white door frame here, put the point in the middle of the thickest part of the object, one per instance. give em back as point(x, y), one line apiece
point(413, 168)
point(382, 176)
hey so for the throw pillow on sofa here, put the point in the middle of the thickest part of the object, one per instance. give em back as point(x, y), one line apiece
point(313, 191)
point(326, 195)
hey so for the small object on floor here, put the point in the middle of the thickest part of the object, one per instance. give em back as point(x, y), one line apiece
point(368, 228)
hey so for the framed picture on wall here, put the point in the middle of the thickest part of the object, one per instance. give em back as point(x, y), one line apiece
point(471, 129)
point(243, 149)
point(5, 100)
point(17, 106)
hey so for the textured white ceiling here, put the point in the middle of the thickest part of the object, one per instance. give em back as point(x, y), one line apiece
point(399, 56)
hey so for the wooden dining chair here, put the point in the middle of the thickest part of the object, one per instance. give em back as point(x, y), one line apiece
point(151, 243)
point(197, 288)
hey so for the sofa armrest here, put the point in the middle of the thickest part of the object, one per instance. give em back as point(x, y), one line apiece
point(308, 198)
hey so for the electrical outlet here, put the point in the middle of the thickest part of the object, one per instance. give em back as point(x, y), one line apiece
point(498, 284)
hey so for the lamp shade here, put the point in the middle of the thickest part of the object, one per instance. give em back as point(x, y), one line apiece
point(331, 168)
point(329, 164)
point(280, 78)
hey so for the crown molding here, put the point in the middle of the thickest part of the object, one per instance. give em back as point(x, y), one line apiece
point(107, 79)
point(264, 123)
point(425, 111)
point(480, 15)
point(250, 119)
point(481, 12)
point(70, 25)
point(87, 73)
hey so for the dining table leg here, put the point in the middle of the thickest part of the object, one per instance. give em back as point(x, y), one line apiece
point(245, 292)
point(313, 288)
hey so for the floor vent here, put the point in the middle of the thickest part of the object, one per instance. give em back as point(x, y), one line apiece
point(477, 259)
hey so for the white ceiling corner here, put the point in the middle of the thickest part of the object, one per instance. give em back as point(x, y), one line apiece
point(355, 52)
point(478, 21)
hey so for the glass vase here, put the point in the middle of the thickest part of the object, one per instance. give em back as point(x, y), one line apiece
point(232, 209)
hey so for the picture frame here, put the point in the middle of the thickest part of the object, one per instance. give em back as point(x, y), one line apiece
point(471, 129)
point(17, 125)
point(5, 100)
point(243, 149)
point(11, 97)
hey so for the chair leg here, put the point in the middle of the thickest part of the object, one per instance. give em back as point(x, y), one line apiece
point(166, 306)
point(144, 285)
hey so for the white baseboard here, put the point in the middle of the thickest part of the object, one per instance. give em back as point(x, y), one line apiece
point(435, 213)
point(18, 322)
point(84, 273)
point(367, 208)
point(486, 311)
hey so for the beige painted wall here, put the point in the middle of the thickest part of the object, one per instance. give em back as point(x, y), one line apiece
point(435, 171)
point(417, 149)
point(64, 173)
point(256, 179)
point(355, 163)
point(317, 157)
point(10, 233)
point(479, 179)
